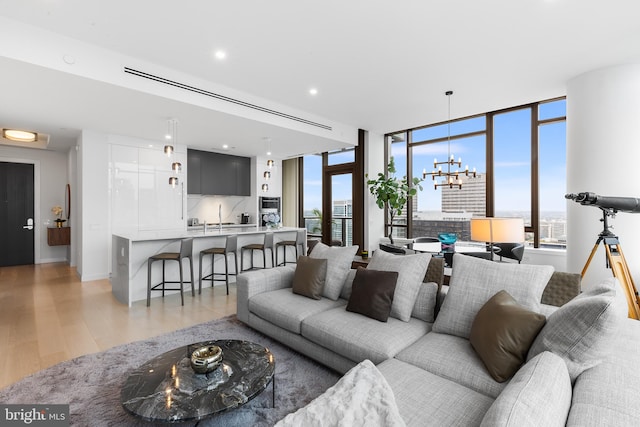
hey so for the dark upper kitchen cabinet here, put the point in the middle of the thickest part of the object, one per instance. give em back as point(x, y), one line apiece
point(243, 176)
point(193, 173)
point(218, 174)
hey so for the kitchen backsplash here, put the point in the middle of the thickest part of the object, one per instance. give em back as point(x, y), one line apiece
point(205, 208)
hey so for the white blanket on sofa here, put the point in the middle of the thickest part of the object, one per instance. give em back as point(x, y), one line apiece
point(362, 397)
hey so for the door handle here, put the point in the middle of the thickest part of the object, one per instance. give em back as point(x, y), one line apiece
point(29, 225)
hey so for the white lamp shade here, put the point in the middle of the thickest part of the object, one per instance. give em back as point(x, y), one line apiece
point(497, 230)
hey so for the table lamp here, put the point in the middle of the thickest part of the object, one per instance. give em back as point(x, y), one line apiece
point(497, 230)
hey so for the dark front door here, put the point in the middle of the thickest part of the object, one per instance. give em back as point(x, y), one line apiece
point(16, 214)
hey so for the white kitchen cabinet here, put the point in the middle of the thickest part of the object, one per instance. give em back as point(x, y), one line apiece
point(161, 206)
point(141, 197)
point(123, 173)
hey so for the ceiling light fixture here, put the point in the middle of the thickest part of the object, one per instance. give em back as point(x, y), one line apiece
point(313, 91)
point(267, 175)
point(265, 187)
point(267, 142)
point(19, 135)
point(450, 178)
point(220, 54)
point(171, 135)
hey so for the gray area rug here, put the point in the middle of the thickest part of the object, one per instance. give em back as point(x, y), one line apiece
point(91, 384)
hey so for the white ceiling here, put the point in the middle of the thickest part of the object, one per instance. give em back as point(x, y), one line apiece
point(378, 65)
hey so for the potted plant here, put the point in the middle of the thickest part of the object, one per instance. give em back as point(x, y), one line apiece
point(392, 193)
point(57, 211)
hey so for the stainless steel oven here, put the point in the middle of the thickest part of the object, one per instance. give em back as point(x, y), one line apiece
point(269, 210)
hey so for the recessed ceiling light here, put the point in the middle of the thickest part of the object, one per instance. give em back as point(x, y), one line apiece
point(220, 54)
point(225, 146)
point(313, 91)
point(19, 135)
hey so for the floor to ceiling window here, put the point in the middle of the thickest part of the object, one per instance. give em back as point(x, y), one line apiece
point(312, 194)
point(332, 196)
point(519, 158)
point(512, 164)
point(445, 209)
point(552, 158)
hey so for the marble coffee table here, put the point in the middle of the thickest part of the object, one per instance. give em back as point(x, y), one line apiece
point(166, 389)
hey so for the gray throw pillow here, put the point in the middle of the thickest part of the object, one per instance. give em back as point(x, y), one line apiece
point(372, 293)
point(339, 261)
point(502, 334)
point(582, 330)
point(538, 395)
point(309, 277)
point(425, 306)
point(474, 281)
point(411, 270)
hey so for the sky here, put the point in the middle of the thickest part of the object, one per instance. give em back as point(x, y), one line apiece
point(512, 160)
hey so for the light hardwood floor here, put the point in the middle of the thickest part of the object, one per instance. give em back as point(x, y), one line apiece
point(47, 315)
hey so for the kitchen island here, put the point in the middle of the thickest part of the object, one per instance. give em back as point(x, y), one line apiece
point(131, 252)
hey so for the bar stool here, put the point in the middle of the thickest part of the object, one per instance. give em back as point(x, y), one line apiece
point(267, 244)
point(230, 247)
point(300, 241)
point(186, 248)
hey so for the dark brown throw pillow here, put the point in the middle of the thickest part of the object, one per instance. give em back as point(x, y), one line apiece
point(372, 293)
point(308, 279)
point(502, 333)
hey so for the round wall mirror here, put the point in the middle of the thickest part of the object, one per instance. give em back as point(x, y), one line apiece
point(67, 200)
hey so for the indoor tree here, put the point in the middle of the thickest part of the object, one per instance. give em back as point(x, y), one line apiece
point(393, 193)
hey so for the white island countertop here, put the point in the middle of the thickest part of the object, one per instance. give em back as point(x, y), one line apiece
point(132, 250)
point(198, 232)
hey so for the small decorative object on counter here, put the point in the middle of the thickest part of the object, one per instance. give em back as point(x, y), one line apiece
point(364, 254)
point(206, 359)
point(448, 242)
point(57, 211)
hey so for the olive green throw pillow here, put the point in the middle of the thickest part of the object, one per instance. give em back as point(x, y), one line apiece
point(309, 277)
point(502, 333)
point(372, 293)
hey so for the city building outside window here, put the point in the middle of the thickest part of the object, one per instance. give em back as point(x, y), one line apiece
point(525, 177)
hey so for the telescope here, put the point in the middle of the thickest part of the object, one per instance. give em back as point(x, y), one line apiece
point(612, 204)
point(615, 258)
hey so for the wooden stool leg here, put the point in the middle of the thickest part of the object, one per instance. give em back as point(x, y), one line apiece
point(193, 290)
point(163, 279)
point(213, 261)
point(149, 261)
point(200, 280)
point(181, 282)
point(226, 271)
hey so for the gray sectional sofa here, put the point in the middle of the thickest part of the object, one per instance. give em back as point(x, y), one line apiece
point(579, 370)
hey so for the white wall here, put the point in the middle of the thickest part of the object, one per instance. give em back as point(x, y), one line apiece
point(72, 178)
point(603, 148)
point(50, 181)
point(93, 203)
point(373, 216)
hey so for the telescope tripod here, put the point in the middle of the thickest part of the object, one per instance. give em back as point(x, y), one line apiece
point(617, 263)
